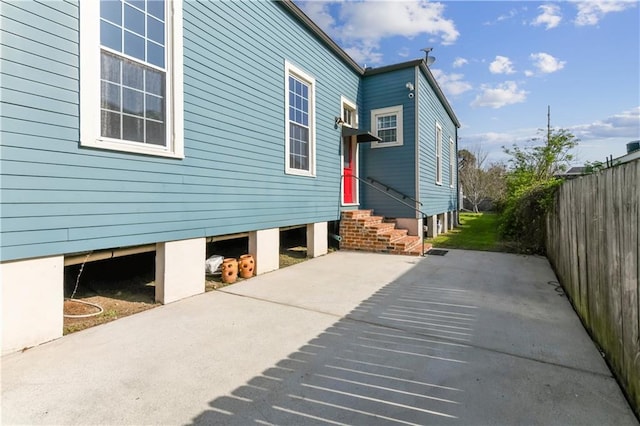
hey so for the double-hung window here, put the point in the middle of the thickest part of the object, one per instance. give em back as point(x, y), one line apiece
point(131, 76)
point(438, 154)
point(300, 122)
point(386, 123)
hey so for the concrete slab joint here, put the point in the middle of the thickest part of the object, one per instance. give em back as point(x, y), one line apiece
point(32, 302)
point(265, 247)
point(180, 269)
point(317, 239)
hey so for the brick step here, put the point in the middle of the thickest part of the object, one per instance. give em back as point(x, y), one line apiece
point(370, 220)
point(380, 228)
point(393, 235)
point(412, 250)
point(407, 242)
point(357, 214)
point(361, 230)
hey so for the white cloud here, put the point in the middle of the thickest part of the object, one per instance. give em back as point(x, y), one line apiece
point(404, 52)
point(319, 13)
point(550, 16)
point(360, 25)
point(364, 54)
point(591, 12)
point(501, 65)
point(493, 142)
point(451, 84)
point(623, 125)
point(503, 94)
point(546, 63)
point(511, 14)
point(529, 73)
point(376, 20)
point(459, 62)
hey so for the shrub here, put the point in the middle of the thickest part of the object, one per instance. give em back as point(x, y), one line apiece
point(523, 220)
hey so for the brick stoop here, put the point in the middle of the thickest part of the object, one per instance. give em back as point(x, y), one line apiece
point(360, 230)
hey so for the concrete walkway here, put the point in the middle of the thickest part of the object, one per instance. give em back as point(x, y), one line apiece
point(349, 338)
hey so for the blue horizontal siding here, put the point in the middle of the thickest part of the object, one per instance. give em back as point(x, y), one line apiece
point(393, 166)
point(58, 197)
point(435, 198)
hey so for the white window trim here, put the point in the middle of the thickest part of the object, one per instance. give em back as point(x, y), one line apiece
point(90, 85)
point(351, 105)
point(452, 164)
point(292, 69)
point(438, 154)
point(397, 110)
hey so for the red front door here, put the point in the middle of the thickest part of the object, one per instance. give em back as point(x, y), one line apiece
point(348, 171)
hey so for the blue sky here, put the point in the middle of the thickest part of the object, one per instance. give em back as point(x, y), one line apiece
point(501, 63)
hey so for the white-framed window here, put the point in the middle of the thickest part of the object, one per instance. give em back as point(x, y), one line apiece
point(349, 112)
point(131, 94)
point(386, 123)
point(438, 154)
point(452, 160)
point(300, 126)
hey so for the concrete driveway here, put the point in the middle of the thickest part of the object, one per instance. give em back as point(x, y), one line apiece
point(349, 338)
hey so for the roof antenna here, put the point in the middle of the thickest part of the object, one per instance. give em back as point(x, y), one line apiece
point(428, 59)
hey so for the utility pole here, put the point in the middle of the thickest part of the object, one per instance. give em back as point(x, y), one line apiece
point(548, 123)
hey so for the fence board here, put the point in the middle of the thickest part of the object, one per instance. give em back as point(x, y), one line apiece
point(593, 238)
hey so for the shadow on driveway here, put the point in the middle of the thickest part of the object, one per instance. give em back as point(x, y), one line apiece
point(473, 338)
point(360, 372)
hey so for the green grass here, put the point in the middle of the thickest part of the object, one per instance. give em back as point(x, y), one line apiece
point(477, 231)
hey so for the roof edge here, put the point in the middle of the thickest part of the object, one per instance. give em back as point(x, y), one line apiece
point(427, 73)
point(294, 10)
point(392, 67)
point(316, 30)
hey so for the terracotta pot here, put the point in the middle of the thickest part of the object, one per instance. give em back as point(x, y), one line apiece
point(229, 270)
point(246, 266)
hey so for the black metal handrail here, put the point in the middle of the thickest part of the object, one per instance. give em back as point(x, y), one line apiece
point(387, 187)
point(424, 215)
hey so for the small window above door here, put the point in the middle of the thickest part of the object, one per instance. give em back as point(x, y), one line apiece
point(349, 113)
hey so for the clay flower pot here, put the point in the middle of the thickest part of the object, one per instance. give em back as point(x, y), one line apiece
point(246, 266)
point(229, 270)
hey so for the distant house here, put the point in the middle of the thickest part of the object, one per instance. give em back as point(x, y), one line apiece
point(573, 172)
point(633, 153)
point(160, 125)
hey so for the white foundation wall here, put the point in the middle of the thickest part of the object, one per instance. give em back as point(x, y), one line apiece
point(444, 222)
point(432, 226)
point(180, 269)
point(32, 302)
point(265, 246)
point(317, 239)
point(412, 225)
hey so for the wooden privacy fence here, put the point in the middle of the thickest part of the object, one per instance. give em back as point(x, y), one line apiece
point(592, 242)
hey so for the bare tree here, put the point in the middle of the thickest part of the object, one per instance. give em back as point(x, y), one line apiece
point(480, 183)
